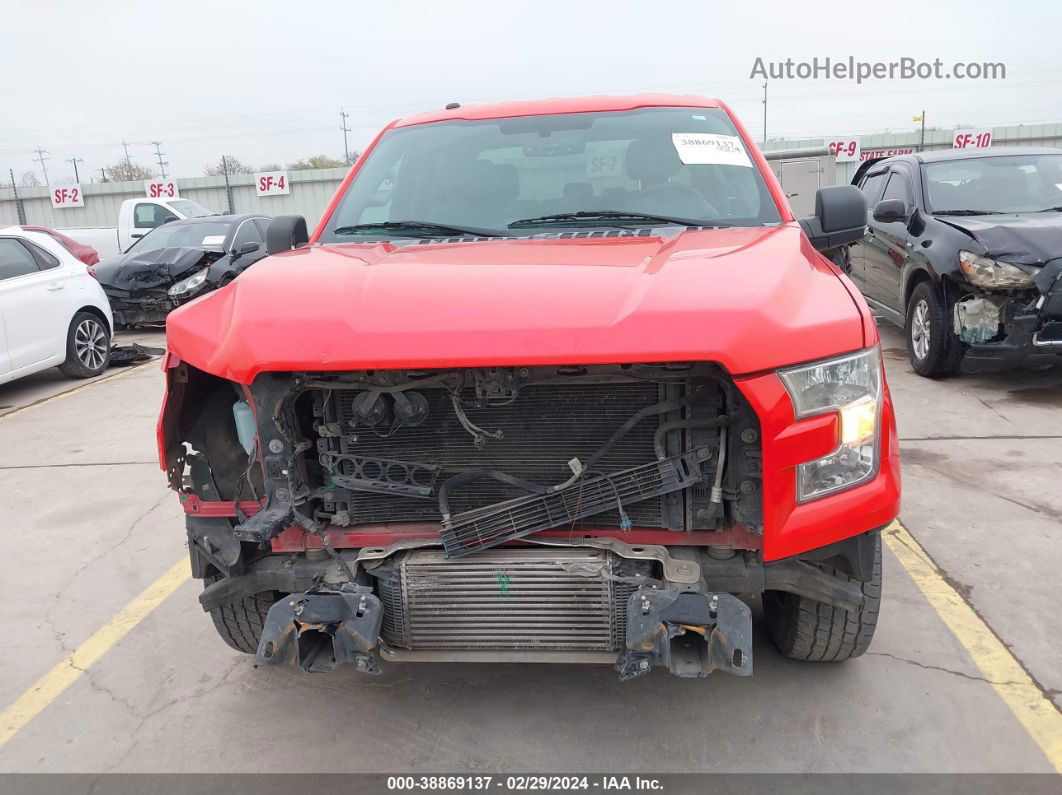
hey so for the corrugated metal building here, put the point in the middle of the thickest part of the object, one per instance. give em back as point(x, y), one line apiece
point(1021, 135)
point(310, 192)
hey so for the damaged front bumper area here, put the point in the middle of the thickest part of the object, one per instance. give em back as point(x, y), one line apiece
point(1005, 328)
point(144, 308)
point(598, 514)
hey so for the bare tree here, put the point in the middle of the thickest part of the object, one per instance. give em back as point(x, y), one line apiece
point(228, 165)
point(271, 167)
point(30, 180)
point(352, 158)
point(127, 171)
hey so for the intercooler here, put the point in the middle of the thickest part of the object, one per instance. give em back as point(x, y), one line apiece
point(513, 599)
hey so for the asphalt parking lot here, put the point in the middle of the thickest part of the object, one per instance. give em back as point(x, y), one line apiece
point(90, 525)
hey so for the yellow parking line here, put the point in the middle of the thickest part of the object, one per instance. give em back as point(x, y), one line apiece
point(60, 395)
point(50, 686)
point(1033, 709)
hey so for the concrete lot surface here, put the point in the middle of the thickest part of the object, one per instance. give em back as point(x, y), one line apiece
point(90, 524)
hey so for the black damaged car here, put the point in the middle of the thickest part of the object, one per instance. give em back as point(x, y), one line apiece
point(963, 249)
point(177, 262)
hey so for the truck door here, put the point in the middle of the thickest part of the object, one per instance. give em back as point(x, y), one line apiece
point(885, 252)
point(147, 215)
point(871, 185)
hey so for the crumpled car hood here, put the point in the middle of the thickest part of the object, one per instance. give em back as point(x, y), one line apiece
point(749, 299)
point(144, 271)
point(1029, 239)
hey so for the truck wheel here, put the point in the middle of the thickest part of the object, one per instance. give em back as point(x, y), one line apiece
point(932, 347)
point(88, 347)
point(240, 623)
point(804, 629)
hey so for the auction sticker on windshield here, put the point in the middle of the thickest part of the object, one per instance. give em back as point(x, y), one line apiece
point(709, 149)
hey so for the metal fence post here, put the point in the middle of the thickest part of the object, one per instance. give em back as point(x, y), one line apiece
point(19, 209)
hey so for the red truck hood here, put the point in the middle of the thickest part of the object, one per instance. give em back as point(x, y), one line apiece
point(749, 299)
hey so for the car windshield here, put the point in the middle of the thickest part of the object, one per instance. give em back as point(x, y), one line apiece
point(190, 209)
point(483, 176)
point(205, 235)
point(995, 184)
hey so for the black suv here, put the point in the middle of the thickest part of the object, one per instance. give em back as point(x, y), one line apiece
point(964, 250)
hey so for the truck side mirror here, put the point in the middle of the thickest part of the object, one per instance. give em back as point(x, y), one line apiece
point(286, 232)
point(889, 211)
point(840, 217)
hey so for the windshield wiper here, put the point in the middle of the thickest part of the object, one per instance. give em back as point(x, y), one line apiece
point(968, 212)
point(425, 228)
point(611, 215)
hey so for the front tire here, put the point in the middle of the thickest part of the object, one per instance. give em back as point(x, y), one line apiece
point(240, 623)
point(804, 629)
point(88, 347)
point(933, 349)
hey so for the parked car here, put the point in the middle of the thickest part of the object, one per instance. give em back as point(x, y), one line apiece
point(964, 251)
point(177, 262)
point(136, 218)
point(557, 388)
point(83, 252)
point(52, 313)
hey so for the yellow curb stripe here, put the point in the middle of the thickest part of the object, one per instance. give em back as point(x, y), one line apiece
point(1034, 710)
point(101, 379)
point(50, 686)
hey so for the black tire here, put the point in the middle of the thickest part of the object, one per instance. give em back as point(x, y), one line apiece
point(932, 347)
point(804, 629)
point(88, 346)
point(240, 623)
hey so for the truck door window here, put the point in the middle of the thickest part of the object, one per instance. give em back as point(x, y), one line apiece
point(15, 259)
point(898, 188)
point(872, 186)
point(149, 216)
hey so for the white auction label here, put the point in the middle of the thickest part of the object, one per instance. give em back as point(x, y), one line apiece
point(709, 149)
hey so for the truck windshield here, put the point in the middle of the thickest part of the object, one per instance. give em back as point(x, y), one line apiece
point(209, 236)
point(673, 163)
point(190, 209)
point(995, 184)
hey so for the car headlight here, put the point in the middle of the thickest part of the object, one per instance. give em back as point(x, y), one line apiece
point(191, 284)
point(849, 385)
point(988, 272)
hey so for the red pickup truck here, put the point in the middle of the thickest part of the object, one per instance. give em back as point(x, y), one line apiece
point(557, 381)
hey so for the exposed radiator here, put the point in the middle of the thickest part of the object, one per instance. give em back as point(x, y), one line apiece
point(546, 599)
point(545, 427)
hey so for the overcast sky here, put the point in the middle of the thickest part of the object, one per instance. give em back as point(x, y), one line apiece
point(264, 81)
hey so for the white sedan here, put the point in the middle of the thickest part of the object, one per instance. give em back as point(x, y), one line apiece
point(52, 312)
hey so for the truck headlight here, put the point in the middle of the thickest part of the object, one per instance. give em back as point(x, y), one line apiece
point(849, 385)
point(988, 272)
point(189, 285)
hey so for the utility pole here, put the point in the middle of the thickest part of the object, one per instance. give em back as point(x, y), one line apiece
point(158, 154)
point(125, 146)
point(74, 161)
point(765, 111)
point(40, 158)
point(922, 143)
point(343, 116)
point(103, 175)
